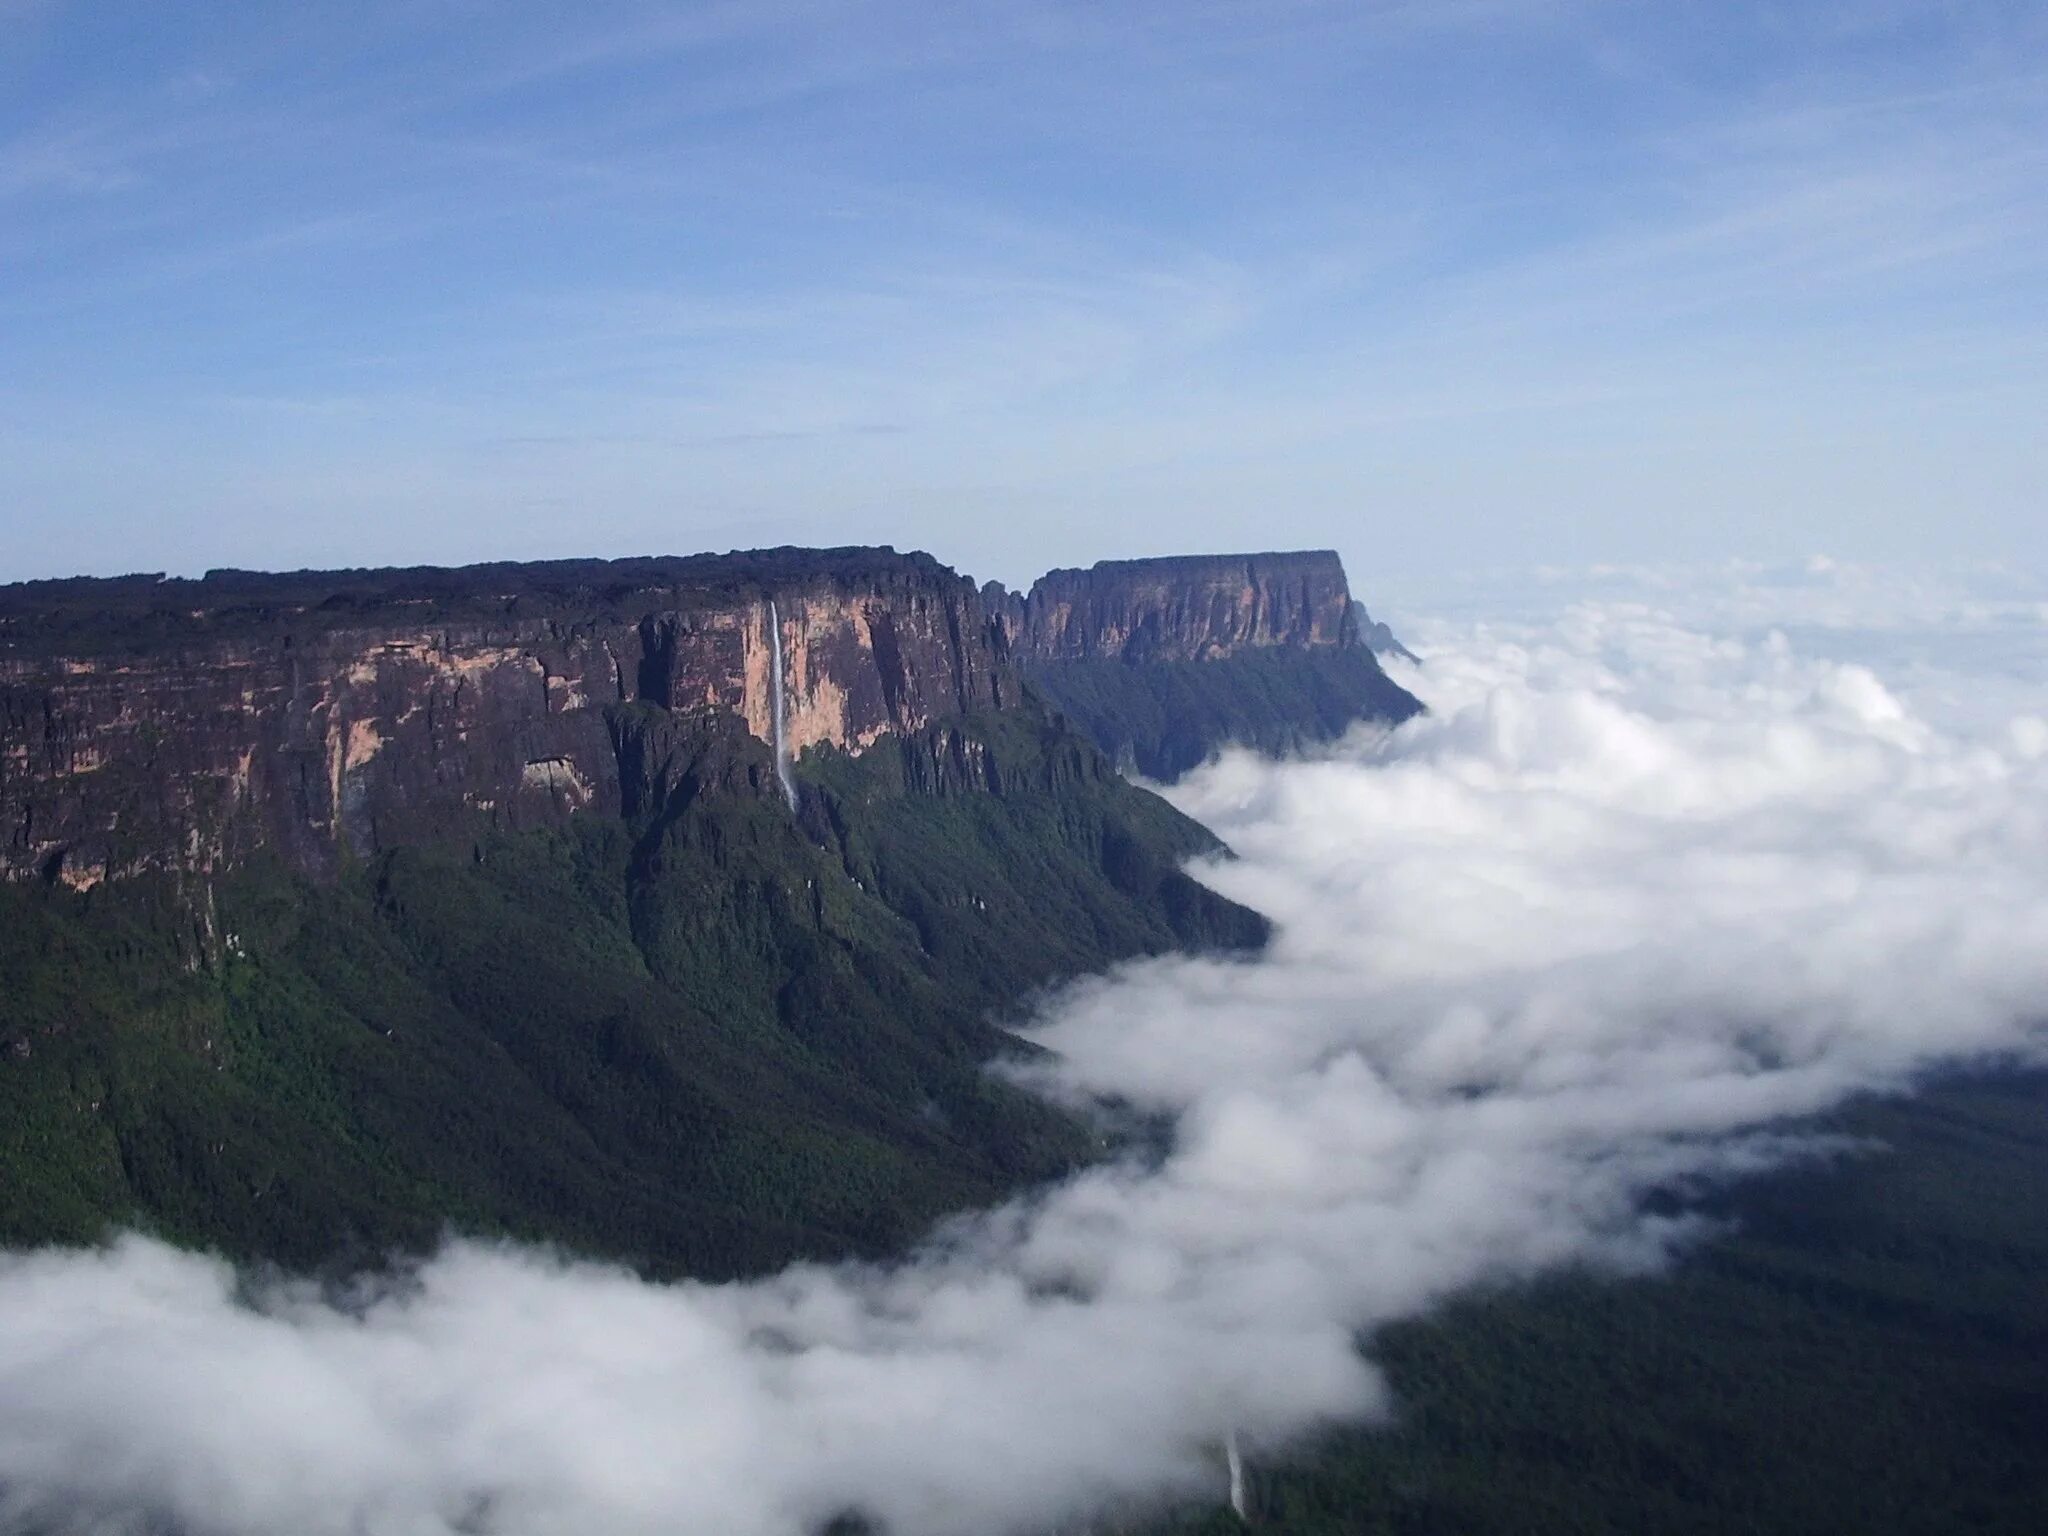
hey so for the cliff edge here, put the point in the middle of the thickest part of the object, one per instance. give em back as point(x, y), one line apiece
point(1164, 662)
point(343, 908)
point(177, 727)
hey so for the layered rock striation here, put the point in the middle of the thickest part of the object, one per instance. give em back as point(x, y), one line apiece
point(151, 725)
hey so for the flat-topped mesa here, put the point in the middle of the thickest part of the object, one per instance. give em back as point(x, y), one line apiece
point(178, 726)
point(1162, 663)
point(1184, 608)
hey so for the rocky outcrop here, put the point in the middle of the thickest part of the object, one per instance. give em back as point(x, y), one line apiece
point(179, 726)
point(1186, 608)
point(1164, 662)
point(170, 727)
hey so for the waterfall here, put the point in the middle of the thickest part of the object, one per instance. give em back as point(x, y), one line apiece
point(1230, 1454)
point(783, 774)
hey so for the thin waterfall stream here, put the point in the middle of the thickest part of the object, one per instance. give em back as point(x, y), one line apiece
point(784, 775)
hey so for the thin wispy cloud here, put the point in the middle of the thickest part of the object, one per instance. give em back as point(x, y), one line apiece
point(1176, 264)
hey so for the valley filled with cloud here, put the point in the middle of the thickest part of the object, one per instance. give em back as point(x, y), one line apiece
point(1675, 860)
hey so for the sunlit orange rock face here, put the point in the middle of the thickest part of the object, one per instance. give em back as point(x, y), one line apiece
point(1186, 608)
point(178, 727)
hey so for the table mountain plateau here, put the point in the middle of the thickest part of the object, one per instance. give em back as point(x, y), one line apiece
point(340, 908)
point(1161, 662)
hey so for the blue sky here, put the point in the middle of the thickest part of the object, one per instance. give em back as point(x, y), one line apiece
point(1024, 283)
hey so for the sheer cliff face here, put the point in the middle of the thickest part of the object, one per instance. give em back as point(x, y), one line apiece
point(862, 664)
point(182, 742)
point(188, 759)
point(1200, 608)
point(1163, 663)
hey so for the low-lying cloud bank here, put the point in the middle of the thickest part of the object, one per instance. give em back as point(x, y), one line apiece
point(1634, 893)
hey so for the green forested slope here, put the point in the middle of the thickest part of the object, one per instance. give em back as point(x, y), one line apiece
point(708, 1039)
point(1166, 717)
point(1866, 1350)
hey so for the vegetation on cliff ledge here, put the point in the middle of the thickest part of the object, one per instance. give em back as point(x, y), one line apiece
point(706, 1039)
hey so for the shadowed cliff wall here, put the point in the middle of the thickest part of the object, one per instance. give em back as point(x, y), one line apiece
point(1184, 608)
point(1164, 662)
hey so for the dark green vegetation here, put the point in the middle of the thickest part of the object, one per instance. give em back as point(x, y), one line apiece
point(1867, 1351)
point(1167, 717)
point(706, 1038)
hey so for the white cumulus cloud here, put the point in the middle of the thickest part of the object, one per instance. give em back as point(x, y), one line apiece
point(1641, 890)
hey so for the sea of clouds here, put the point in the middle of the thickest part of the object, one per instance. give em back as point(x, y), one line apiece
point(1674, 860)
